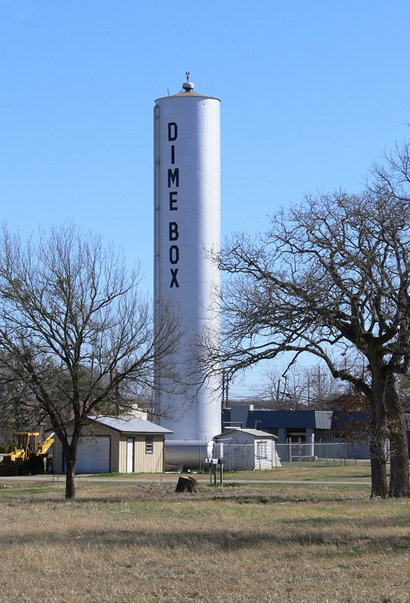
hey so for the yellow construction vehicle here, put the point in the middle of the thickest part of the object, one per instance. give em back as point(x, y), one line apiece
point(27, 454)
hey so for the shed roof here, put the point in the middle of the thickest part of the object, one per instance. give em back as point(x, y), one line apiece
point(130, 424)
point(256, 433)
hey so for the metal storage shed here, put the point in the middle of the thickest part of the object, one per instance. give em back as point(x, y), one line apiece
point(248, 449)
point(117, 444)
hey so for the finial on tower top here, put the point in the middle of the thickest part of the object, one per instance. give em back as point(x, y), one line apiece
point(188, 86)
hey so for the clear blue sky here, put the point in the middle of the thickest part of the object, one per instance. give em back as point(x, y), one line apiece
point(313, 91)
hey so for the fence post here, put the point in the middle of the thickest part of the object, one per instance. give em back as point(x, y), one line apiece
point(300, 452)
point(312, 446)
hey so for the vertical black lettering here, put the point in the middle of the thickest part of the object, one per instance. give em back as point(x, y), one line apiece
point(173, 181)
point(173, 200)
point(173, 177)
point(174, 281)
point(172, 131)
point(173, 231)
point(174, 254)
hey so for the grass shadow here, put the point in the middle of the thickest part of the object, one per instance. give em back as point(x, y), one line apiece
point(221, 540)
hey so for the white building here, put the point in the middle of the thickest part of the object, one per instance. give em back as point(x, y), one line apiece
point(245, 449)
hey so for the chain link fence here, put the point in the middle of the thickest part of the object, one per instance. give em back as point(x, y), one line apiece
point(299, 454)
point(292, 454)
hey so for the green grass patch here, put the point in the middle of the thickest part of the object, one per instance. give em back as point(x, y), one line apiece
point(25, 489)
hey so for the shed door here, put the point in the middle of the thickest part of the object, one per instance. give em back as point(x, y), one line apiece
point(130, 455)
point(93, 455)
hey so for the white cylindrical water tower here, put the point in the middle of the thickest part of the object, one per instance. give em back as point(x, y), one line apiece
point(187, 228)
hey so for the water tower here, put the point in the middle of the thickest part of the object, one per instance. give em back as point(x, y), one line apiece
point(187, 228)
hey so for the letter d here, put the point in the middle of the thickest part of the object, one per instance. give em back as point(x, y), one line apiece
point(172, 131)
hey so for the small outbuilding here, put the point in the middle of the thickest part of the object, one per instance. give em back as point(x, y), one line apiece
point(117, 444)
point(247, 449)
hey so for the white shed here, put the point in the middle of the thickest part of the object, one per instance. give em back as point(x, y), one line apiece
point(247, 449)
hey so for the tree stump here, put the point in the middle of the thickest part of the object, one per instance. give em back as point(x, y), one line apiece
point(186, 483)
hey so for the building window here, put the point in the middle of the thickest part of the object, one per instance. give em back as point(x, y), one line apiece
point(261, 450)
point(149, 445)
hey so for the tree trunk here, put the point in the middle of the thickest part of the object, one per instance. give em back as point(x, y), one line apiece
point(378, 438)
point(69, 478)
point(186, 483)
point(399, 465)
point(399, 454)
point(378, 465)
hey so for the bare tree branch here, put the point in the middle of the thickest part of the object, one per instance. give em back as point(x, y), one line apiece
point(330, 278)
point(74, 329)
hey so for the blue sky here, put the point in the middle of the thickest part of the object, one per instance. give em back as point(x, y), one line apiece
point(312, 93)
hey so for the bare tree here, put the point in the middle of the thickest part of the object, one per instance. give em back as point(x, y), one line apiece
point(300, 388)
point(16, 412)
point(74, 330)
point(331, 278)
point(283, 391)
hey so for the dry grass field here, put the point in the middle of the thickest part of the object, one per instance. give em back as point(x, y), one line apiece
point(140, 541)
